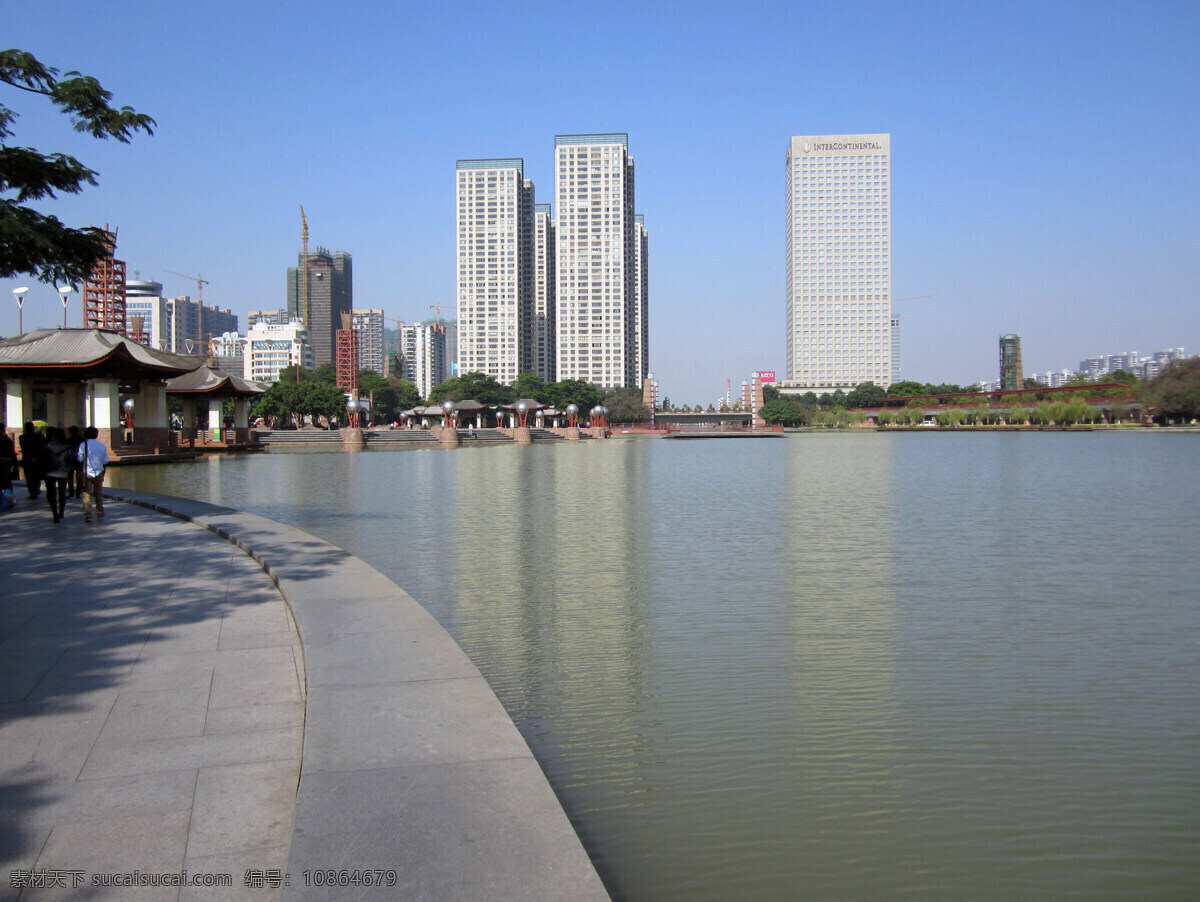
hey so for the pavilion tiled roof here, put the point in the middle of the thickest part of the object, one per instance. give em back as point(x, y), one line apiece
point(95, 352)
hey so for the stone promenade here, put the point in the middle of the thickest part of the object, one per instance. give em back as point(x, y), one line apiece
point(218, 695)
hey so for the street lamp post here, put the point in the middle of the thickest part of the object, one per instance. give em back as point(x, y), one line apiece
point(65, 292)
point(19, 294)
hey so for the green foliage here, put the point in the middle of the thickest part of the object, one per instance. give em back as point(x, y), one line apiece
point(531, 385)
point(575, 391)
point(783, 411)
point(1018, 415)
point(34, 242)
point(309, 397)
point(407, 395)
point(625, 406)
point(771, 393)
point(326, 372)
point(386, 405)
point(1174, 393)
point(1122, 376)
point(472, 387)
point(906, 389)
point(886, 417)
point(867, 394)
point(1030, 382)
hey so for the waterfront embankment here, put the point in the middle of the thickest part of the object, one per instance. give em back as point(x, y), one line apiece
point(189, 688)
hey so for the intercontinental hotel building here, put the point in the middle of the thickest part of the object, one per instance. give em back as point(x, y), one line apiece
point(839, 324)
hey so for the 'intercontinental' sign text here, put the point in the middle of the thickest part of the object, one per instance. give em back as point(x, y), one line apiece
point(839, 145)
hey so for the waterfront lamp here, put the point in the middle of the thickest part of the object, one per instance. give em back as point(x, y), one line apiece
point(19, 294)
point(65, 292)
point(448, 407)
point(572, 415)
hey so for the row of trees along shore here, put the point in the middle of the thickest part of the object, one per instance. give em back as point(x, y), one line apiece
point(301, 393)
point(1173, 395)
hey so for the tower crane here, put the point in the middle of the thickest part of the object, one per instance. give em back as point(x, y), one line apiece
point(303, 303)
point(200, 283)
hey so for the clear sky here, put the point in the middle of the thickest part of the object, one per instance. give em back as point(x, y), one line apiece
point(1044, 156)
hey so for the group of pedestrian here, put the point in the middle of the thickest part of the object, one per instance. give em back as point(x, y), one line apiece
point(71, 464)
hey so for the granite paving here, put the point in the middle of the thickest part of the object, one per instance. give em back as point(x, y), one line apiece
point(191, 693)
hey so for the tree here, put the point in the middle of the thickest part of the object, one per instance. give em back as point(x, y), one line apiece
point(386, 404)
point(472, 387)
point(785, 412)
point(531, 385)
point(885, 418)
point(37, 243)
point(867, 394)
point(1030, 382)
point(326, 372)
point(407, 394)
point(1175, 392)
point(582, 394)
point(625, 406)
point(771, 393)
point(906, 389)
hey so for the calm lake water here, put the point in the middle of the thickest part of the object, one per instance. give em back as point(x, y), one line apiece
point(832, 666)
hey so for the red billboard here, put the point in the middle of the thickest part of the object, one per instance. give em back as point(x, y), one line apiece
point(766, 376)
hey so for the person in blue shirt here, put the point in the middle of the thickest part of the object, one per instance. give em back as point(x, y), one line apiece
point(94, 457)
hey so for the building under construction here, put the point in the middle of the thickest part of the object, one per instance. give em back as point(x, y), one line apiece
point(330, 293)
point(1012, 377)
point(104, 290)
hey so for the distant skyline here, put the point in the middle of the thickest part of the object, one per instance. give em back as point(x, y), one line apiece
point(1043, 174)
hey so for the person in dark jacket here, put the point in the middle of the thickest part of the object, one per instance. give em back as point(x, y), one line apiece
point(75, 474)
point(33, 450)
point(58, 463)
point(8, 458)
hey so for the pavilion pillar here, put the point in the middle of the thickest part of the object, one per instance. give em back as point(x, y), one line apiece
point(18, 398)
point(189, 421)
point(214, 418)
point(71, 404)
point(150, 415)
point(241, 420)
point(102, 408)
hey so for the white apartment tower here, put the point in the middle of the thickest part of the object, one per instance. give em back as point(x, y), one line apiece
point(423, 356)
point(839, 317)
point(369, 326)
point(641, 268)
point(597, 295)
point(495, 268)
point(543, 319)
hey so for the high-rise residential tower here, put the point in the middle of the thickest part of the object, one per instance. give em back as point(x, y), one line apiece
point(838, 262)
point(597, 295)
point(543, 320)
point(369, 326)
point(495, 268)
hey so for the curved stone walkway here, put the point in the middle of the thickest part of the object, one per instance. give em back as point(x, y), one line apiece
point(155, 697)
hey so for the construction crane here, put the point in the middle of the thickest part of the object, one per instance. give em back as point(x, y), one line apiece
point(438, 308)
point(304, 312)
point(200, 283)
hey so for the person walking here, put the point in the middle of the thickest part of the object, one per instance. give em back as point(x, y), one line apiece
point(58, 464)
point(33, 452)
point(8, 459)
point(94, 457)
point(75, 475)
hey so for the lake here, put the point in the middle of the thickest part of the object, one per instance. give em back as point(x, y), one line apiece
point(832, 666)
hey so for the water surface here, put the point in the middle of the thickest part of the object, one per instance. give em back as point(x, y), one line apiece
point(868, 666)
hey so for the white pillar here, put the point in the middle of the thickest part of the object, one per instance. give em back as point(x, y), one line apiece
point(102, 408)
point(214, 415)
point(18, 399)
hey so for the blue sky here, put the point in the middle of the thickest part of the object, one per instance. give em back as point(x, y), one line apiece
point(1044, 175)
